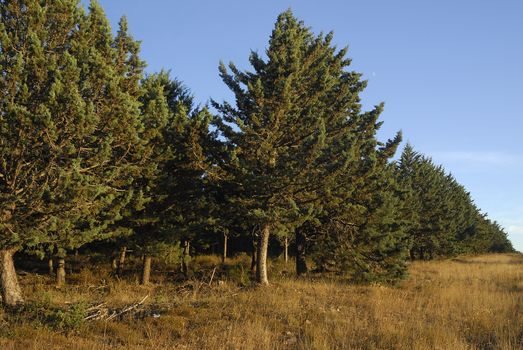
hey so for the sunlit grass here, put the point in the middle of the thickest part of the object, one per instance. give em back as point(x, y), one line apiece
point(462, 303)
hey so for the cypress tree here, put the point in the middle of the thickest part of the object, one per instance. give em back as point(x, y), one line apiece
point(440, 216)
point(68, 124)
point(288, 110)
point(172, 183)
point(360, 233)
point(432, 227)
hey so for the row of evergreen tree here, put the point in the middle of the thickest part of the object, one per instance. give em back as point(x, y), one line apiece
point(94, 150)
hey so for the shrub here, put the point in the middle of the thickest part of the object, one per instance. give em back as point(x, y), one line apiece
point(68, 319)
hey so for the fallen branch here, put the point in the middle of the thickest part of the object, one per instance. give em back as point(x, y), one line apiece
point(127, 309)
point(212, 276)
point(101, 312)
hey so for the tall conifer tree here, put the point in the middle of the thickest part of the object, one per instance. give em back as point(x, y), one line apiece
point(173, 181)
point(361, 232)
point(288, 111)
point(440, 216)
point(69, 124)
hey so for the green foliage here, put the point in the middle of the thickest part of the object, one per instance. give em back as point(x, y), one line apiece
point(364, 237)
point(173, 183)
point(441, 218)
point(70, 126)
point(285, 110)
point(239, 274)
point(44, 313)
point(171, 253)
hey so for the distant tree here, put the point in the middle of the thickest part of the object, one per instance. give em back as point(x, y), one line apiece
point(484, 236)
point(440, 216)
point(429, 199)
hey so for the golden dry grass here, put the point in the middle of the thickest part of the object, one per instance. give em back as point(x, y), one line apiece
point(464, 303)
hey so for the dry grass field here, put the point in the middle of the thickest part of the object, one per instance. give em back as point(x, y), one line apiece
point(462, 303)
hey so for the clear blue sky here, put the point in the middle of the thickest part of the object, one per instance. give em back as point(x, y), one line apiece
point(450, 72)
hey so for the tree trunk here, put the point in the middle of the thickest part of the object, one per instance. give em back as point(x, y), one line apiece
point(114, 264)
point(60, 273)
point(50, 266)
point(253, 252)
point(261, 263)
point(286, 250)
point(10, 290)
point(185, 257)
point(146, 270)
point(121, 260)
point(224, 252)
point(253, 261)
point(301, 263)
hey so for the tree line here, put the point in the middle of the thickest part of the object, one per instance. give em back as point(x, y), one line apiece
point(93, 152)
